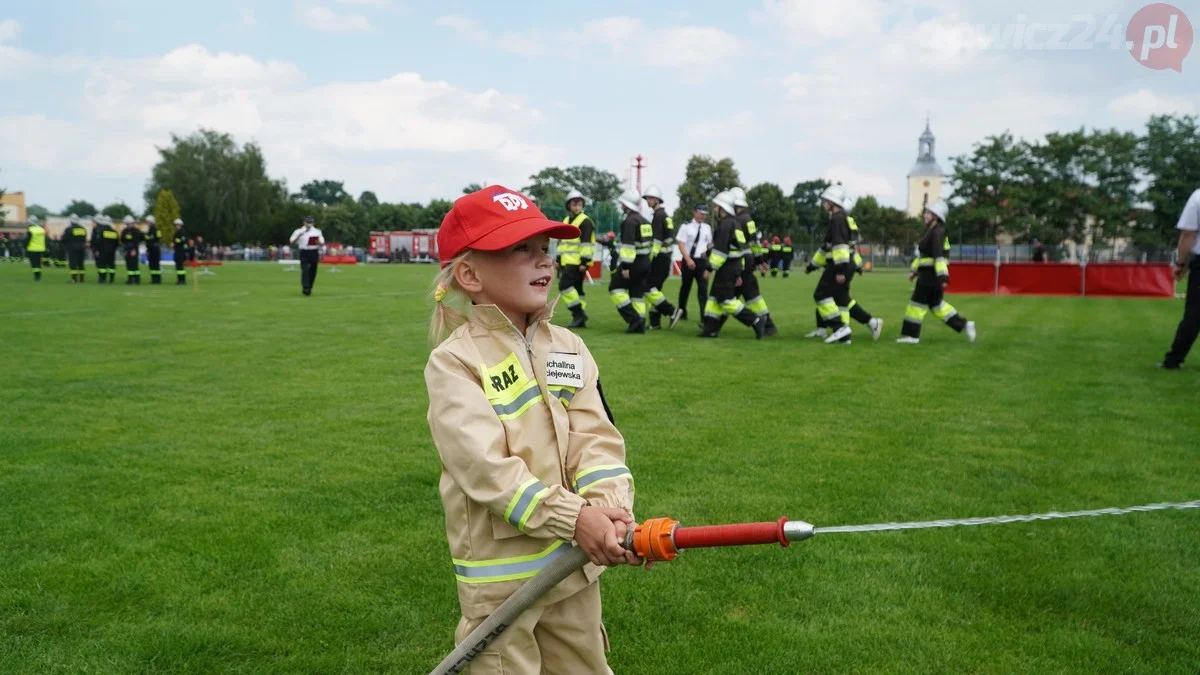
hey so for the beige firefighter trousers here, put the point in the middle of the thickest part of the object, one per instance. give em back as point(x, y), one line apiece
point(566, 637)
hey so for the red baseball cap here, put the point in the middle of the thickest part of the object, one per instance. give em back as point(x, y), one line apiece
point(492, 219)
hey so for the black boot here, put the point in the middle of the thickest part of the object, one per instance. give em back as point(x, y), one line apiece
point(578, 318)
point(709, 327)
point(758, 323)
point(655, 320)
point(155, 279)
point(128, 280)
point(636, 324)
point(770, 326)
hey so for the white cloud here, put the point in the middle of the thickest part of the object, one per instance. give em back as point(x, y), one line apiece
point(9, 30)
point(632, 42)
point(318, 17)
point(1144, 103)
point(695, 49)
point(372, 3)
point(465, 28)
point(393, 135)
point(815, 22)
point(739, 125)
point(857, 183)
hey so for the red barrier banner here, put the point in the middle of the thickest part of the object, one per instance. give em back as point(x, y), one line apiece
point(339, 260)
point(1041, 279)
point(1130, 280)
point(972, 277)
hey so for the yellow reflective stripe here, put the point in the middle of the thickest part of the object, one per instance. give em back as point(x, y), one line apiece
point(593, 476)
point(537, 498)
point(517, 497)
point(941, 267)
point(841, 253)
point(506, 569)
point(563, 393)
point(717, 258)
point(818, 258)
point(529, 396)
point(924, 262)
point(627, 253)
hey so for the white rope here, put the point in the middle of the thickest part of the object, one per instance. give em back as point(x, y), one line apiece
point(995, 520)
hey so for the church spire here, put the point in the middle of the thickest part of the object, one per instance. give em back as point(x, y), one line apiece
point(926, 158)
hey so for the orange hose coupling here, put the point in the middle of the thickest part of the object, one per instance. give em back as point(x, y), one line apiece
point(654, 539)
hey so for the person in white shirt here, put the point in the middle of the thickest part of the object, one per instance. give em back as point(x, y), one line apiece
point(1187, 258)
point(694, 240)
point(309, 240)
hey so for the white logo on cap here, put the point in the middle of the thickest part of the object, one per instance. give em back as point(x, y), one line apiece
point(511, 201)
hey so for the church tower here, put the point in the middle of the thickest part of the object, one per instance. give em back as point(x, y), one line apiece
point(925, 178)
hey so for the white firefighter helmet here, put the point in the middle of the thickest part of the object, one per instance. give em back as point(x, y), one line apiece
point(630, 200)
point(724, 201)
point(178, 221)
point(653, 191)
point(834, 194)
point(739, 196)
point(150, 219)
point(73, 219)
point(573, 195)
point(939, 209)
point(128, 220)
point(32, 220)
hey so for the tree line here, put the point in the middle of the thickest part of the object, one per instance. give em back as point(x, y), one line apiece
point(1068, 186)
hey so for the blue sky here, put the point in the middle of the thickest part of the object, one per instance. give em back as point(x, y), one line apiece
point(415, 100)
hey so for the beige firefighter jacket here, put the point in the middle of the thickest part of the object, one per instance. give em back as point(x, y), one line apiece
point(520, 454)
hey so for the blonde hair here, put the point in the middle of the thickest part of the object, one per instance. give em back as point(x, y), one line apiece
point(450, 302)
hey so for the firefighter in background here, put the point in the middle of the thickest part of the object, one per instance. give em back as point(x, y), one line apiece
point(153, 251)
point(105, 241)
point(574, 257)
point(660, 257)
point(35, 246)
point(854, 310)
point(628, 285)
point(60, 252)
point(754, 259)
point(932, 272)
point(75, 240)
point(832, 292)
point(131, 242)
point(789, 255)
point(776, 256)
point(183, 253)
point(725, 261)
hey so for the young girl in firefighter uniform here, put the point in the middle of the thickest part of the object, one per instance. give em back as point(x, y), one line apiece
point(531, 461)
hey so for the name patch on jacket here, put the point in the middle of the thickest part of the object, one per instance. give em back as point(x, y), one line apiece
point(564, 369)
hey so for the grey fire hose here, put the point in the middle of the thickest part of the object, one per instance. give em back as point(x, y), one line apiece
point(486, 633)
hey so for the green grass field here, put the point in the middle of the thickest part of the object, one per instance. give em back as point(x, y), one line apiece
point(238, 479)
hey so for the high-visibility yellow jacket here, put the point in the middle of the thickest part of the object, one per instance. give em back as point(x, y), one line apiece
point(519, 456)
point(581, 249)
point(35, 240)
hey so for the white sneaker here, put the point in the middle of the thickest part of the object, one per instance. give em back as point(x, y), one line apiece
point(876, 326)
point(970, 331)
point(908, 340)
point(818, 333)
point(838, 335)
point(675, 318)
